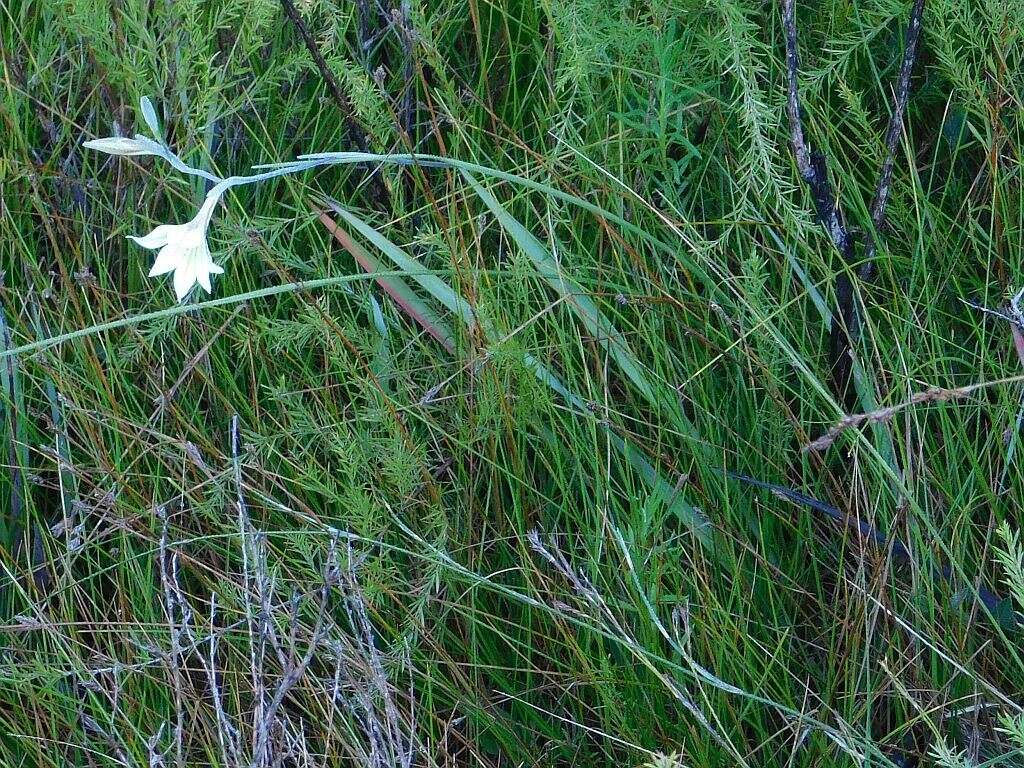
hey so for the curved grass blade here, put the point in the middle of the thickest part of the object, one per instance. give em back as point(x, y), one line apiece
point(395, 287)
point(595, 322)
point(446, 295)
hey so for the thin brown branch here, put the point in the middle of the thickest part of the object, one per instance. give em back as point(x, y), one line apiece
point(930, 395)
point(355, 131)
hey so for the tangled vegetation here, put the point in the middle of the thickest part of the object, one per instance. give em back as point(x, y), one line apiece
point(591, 409)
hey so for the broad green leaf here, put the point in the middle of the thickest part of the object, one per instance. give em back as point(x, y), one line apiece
point(434, 285)
point(396, 287)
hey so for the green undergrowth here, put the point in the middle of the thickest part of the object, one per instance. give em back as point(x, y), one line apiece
point(514, 396)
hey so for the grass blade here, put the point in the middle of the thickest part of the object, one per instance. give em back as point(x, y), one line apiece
point(395, 287)
point(444, 293)
point(595, 322)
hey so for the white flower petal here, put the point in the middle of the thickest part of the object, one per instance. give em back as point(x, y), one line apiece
point(122, 145)
point(184, 250)
point(166, 260)
point(158, 238)
point(184, 279)
point(203, 278)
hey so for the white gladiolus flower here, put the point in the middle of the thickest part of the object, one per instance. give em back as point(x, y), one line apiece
point(183, 249)
point(125, 147)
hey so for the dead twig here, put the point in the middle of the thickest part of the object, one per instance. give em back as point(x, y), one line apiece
point(355, 131)
point(226, 731)
point(930, 395)
point(283, 653)
point(810, 163)
point(256, 643)
point(813, 170)
point(1014, 317)
point(861, 527)
point(900, 552)
point(174, 658)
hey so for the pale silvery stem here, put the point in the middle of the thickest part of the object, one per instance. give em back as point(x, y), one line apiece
point(141, 145)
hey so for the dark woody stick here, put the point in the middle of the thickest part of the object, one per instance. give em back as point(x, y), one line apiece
point(356, 133)
point(892, 135)
point(813, 170)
